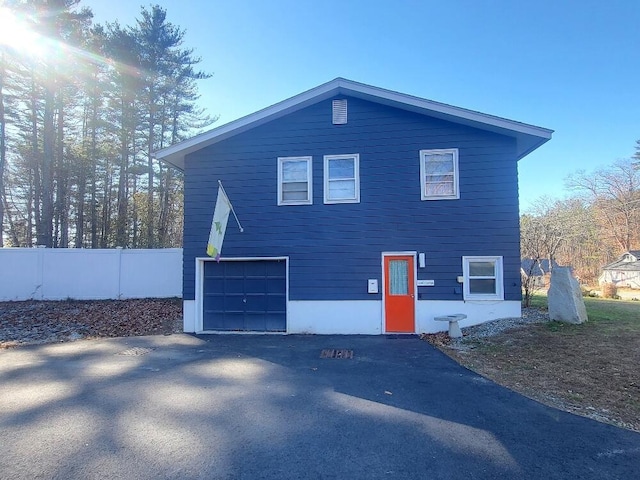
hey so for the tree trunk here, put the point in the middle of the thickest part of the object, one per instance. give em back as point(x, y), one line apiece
point(94, 180)
point(62, 204)
point(35, 211)
point(46, 238)
point(150, 243)
point(121, 219)
point(82, 183)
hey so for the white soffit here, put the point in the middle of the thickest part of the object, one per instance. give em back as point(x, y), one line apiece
point(528, 137)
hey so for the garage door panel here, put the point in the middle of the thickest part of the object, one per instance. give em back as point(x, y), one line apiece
point(234, 303)
point(257, 269)
point(256, 303)
point(274, 322)
point(231, 320)
point(212, 284)
point(276, 268)
point(245, 296)
point(255, 285)
point(233, 285)
point(232, 268)
point(276, 303)
point(255, 321)
point(213, 302)
point(215, 319)
point(276, 285)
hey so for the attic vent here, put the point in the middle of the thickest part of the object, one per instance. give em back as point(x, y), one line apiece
point(339, 112)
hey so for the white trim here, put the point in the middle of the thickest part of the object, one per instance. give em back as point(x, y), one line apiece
point(199, 290)
point(356, 172)
point(529, 137)
point(499, 276)
point(384, 287)
point(309, 200)
point(456, 174)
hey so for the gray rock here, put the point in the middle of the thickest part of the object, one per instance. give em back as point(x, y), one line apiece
point(565, 299)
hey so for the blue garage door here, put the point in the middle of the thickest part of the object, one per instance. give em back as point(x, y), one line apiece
point(245, 296)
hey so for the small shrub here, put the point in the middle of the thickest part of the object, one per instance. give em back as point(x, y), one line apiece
point(609, 290)
point(586, 292)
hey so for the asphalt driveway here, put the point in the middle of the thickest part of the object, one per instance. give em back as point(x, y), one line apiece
point(267, 407)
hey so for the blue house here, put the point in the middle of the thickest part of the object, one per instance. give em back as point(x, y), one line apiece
point(364, 211)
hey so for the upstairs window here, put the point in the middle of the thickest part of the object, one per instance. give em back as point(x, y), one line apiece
point(341, 179)
point(483, 278)
point(439, 174)
point(294, 181)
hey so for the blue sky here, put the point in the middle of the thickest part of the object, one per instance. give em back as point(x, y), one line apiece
point(571, 66)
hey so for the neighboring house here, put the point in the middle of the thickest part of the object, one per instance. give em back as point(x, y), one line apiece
point(624, 272)
point(364, 211)
point(538, 269)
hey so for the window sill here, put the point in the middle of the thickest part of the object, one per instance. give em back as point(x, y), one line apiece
point(483, 299)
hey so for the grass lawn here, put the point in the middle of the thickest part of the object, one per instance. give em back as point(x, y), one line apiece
point(591, 369)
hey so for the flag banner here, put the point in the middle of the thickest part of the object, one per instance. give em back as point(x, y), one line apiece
point(218, 224)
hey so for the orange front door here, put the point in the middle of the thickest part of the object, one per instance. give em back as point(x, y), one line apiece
point(399, 293)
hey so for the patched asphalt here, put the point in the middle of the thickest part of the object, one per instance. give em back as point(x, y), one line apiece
point(269, 407)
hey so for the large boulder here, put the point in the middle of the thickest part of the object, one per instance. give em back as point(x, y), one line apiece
point(565, 298)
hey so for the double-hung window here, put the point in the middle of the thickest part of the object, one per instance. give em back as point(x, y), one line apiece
point(295, 181)
point(483, 278)
point(439, 174)
point(342, 178)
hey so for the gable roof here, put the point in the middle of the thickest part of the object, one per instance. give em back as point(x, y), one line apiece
point(625, 265)
point(538, 268)
point(528, 137)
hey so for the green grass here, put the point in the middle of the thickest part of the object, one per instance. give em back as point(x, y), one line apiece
point(539, 301)
point(606, 314)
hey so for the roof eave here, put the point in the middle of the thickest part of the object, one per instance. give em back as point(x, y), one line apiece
point(528, 137)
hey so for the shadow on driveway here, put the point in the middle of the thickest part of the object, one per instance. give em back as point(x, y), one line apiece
point(243, 406)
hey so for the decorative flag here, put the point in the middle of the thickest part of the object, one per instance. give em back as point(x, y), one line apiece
point(219, 224)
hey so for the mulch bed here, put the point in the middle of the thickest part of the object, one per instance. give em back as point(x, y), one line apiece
point(570, 368)
point(36, 322)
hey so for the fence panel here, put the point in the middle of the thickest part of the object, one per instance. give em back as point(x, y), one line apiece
point(84, 274)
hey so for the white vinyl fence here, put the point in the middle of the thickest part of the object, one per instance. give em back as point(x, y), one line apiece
point(84, 274)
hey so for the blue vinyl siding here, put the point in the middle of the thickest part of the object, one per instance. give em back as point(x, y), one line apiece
point(335, 248)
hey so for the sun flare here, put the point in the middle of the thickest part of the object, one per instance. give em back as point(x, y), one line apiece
point(17, 35)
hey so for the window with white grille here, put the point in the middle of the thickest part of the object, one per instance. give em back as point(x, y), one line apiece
point(439, 174)
point(294, 181)
point(342, 178)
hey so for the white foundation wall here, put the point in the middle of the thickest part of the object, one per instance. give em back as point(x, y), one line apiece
point(477, 312)
point(189, 315)
point(89, 274)
point(365, 317)
point(335, 317)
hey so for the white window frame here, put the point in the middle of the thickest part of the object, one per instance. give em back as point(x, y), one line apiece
point(424, 154)
point(499, 277)
point(309, 200)
point(356, 171)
